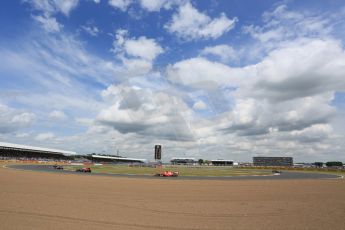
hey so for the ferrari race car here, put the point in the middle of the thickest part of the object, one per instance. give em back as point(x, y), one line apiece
point(86, 170)
point(168, 174)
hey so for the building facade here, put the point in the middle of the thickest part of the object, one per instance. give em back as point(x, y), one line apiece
point(183, 161)
point(222, 162)
point(273, 161)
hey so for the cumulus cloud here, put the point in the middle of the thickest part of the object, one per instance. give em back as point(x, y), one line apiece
point(190, 24)
point(224, 52)
point(45, 136)
point(205, 74)
point(199, 105)
point(142, 47)
point(300, 69)
point(156, 5)
point(146, 113)
point(12, 120)
point(120, 4)
point(136, 54)
point(58, 115)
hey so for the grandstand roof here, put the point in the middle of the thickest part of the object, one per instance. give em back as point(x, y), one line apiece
point(4, 145)
point(222, 160)
point(183, 158)
point(118, 158)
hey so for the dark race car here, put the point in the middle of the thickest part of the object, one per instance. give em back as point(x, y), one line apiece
point(276, 172)
point(85, 170)
point(58, 167)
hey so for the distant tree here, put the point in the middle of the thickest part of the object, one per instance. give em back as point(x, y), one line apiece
point(207, 162)
point(200, 161)
point(334, 164)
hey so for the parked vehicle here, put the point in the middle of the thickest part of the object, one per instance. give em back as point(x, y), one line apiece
point(168, 174)
point(85, 170)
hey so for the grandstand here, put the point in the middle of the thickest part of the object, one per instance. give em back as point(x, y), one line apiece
point(113, 159)
point(221, 162)
point(273, 161)
point(183, 161)
point(26, 152)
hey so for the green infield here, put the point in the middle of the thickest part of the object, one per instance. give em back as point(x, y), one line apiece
point(185, 171)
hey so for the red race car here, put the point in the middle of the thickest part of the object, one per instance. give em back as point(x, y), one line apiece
point(168, 174)
point(88, 170)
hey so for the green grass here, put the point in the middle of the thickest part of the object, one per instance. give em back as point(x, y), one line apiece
point(340, 172)
point(184, 171)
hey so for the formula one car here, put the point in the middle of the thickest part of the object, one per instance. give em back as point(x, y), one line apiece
point(86, 170)
point(168, 174)
point(276, 172)
point(58, 167)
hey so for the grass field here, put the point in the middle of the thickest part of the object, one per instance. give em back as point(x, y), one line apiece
point(185, 171)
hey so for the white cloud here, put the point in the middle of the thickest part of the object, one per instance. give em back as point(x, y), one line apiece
point(153, 5)
point(49, 7)
point(189, 24)
point(199, 105)
point(49, 24)
point(282, 24)
point(314, 133)
point(66, 6)
point(58, 115)
point(91, 29)
point(156, 5)
point(202, 73)
point(23, 135)
point(12, 120)
point(120, 4)
point(136, 54)
point(224, 52)
point(146, 113)
point(45, 136)
point(136, 67)
point(84, 121)
point(299, 69)
point(142, 47)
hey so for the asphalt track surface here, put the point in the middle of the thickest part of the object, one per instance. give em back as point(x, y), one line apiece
point(285, 175)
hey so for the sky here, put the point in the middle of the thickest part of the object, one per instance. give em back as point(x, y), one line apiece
point(210, 79)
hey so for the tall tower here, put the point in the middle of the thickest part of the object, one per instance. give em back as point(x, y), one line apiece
point(158, 152)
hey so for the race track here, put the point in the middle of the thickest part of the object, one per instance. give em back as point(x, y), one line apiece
point(286, 175)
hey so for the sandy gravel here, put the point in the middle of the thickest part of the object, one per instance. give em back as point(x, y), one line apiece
point(36, 200)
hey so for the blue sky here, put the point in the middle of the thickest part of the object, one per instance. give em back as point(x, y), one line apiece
point(206, 79)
